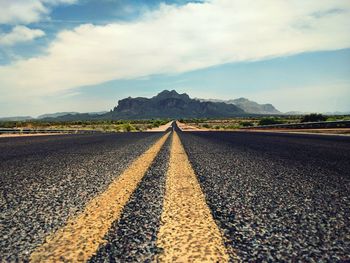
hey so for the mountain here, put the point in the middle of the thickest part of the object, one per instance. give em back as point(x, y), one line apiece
point(249, 106)
point(295, 113)
point(60, 114)
point(55, 115)
point(337, 113)
point(77, 117)
point(98, 112)
point(16, 118)
point(254, 107)
point(170, 104)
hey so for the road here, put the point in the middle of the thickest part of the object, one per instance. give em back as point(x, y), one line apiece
point(175, 197)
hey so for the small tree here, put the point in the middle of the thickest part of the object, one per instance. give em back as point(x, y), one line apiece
point(269, 121)
point(313, 117)
point(246, 124)
point(128, 127)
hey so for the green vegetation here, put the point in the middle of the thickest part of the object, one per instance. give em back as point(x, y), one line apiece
point(313, 117)
point(195, 120)
point(246, 123)
point(142, 125)
point(338, 118)
point(270, 121)
point(100, 125)
point(251, 121)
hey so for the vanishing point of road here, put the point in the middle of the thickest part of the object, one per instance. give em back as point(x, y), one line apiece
point(175, 196)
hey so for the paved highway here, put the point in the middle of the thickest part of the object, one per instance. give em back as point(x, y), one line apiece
point(276, 196)
point(47, 179)
point(175, 197)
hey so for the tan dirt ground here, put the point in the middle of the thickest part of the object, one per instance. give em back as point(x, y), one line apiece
point(161, 128)
point(338, 131)
point(27, 134)
point(333, 131)
point(185, 127)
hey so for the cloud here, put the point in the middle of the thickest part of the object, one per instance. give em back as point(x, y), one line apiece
point(20, 34)
point(176, 39)
point(26, 11)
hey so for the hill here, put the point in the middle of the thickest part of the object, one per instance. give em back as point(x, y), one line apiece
point(254, 107)
point(167, 104)
point(170, 104)
point(71, 116)
point(249, 106)
point(55, 115)
point(16, 118)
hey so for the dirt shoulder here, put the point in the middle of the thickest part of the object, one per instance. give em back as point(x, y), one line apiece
point(27, 134)
point(161, 128)
point(337, 131)
point(333, 131)
point(185, 127)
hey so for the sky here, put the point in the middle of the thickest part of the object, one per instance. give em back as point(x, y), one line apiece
point(85, 55)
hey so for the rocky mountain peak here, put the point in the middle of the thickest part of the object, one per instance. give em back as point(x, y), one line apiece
point(166, 94)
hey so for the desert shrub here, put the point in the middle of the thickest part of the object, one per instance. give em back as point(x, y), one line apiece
point(270, 121)
point(313, 117)
point(230, 127)
point(7, 124)
point(156, 123)
point(246, 124)
point(128, 127)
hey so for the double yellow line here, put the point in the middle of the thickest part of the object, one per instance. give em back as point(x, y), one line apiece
point(188, 232)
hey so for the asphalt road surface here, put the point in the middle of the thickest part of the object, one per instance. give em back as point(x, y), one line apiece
point(175, 197)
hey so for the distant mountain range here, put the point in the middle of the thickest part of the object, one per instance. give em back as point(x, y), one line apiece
point(167, 104)
point(53, 116)
point(60, 114)
point(16, 118)
point(249, 106)
point(56, 114)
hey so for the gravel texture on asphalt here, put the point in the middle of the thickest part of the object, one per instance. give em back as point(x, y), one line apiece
point(188, 232)
point(133, 237)
point(46, 179)
point(276, 197)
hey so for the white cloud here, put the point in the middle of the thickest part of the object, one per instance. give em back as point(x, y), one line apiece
point(20, 34)
point(176, 39)
point(26, 11)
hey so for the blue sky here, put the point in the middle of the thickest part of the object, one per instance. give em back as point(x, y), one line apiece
point(71, 55)
point(67, 16)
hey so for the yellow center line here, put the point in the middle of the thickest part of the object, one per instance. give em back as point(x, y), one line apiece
point(79, 239)
point(188, 232)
